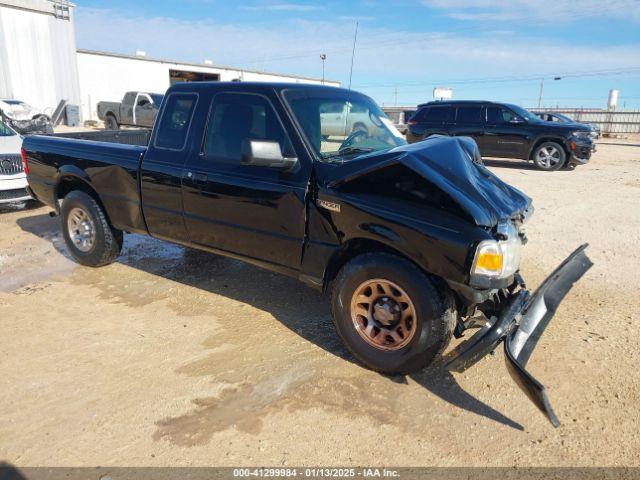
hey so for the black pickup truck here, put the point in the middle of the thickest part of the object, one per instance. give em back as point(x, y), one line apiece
point(414, 243)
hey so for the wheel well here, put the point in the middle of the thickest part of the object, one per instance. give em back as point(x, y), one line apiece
point(543, 140)
point(354, 248)
point(69, 183)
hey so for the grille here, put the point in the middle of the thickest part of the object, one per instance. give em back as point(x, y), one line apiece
point(10, 164)
point(11, 194)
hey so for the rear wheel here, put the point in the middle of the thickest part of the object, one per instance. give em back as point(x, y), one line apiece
point(91, 240)
point(390, 315)
point(549, 156)
point(110, 122)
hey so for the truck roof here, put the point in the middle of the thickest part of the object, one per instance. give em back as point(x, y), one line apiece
point(462, 102)
point(250, 86)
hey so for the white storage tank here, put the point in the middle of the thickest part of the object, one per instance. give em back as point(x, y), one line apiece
point(612, 103)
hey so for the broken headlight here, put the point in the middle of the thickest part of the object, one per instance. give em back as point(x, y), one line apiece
point(498, 258)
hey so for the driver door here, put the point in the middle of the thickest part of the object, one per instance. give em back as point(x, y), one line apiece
point(252, 211)
point(505, 134)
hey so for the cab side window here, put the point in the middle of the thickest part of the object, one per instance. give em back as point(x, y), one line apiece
point(175, 121)
point(237, 118)
point(437, 114)
point(498, 115)
point(470, 114)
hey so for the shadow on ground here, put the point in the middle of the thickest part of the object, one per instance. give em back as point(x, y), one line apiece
point(512, 164)
point(19, 206)
point(299, 308)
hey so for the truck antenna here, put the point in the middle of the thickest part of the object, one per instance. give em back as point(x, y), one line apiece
point(353, 54)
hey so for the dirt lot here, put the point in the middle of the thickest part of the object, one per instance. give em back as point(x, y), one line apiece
point(173, 357)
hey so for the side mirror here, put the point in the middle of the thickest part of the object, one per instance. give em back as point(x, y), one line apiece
point(265, 153)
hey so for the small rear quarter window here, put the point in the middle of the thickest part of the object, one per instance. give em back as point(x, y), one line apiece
point(175, 121)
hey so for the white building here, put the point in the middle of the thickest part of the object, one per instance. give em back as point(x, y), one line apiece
point(39, 63)
point(108, 76)
point(38, 53)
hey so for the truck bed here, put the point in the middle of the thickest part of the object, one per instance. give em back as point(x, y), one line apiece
point(112, 169)
point(138, 136)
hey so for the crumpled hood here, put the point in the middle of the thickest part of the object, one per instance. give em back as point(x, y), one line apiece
point(452, 164)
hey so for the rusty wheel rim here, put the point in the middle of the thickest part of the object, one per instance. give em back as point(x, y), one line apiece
point(383, 314)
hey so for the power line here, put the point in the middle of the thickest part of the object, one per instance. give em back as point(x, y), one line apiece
point(506, 79)
point(426, 36)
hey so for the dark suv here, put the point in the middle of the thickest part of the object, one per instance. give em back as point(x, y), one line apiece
point(504, 130)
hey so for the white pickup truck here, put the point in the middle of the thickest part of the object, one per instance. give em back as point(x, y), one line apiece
point(13, 181)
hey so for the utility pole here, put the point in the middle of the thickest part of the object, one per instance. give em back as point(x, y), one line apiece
point(540, 96)
point(395, 93)
point(323, 57)
point(541, 88)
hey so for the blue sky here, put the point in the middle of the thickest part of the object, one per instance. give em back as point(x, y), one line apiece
point(483, 49)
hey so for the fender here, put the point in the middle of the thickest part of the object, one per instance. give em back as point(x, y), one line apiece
point(73, 173)
point(545, 138)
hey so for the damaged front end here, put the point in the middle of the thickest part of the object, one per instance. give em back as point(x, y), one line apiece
point(471, 232)
point(522, 319)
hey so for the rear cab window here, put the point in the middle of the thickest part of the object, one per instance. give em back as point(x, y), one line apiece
point(129, 98)
point(175, 121)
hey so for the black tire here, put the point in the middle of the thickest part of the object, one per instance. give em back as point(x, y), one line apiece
point(550, 162)
point(110, 122)
point(107, 242)
point(434, 308)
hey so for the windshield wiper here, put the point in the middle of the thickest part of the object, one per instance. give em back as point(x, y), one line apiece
point(346, 151)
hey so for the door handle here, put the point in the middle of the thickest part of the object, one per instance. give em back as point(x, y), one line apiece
point(197, 177)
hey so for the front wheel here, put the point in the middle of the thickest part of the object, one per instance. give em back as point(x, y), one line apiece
point(91, 240)
point(390, 315)
point(549, 156)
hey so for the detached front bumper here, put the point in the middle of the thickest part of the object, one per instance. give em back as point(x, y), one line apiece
point(520, 325)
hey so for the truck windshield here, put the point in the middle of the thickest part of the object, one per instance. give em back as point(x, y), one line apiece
point(340, 125)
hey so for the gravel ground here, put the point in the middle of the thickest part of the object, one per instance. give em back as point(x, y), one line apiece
point(174, 357)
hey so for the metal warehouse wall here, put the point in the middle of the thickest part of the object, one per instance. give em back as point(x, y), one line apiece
point(37, 54)
point(107, 76)
point(609, 121)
